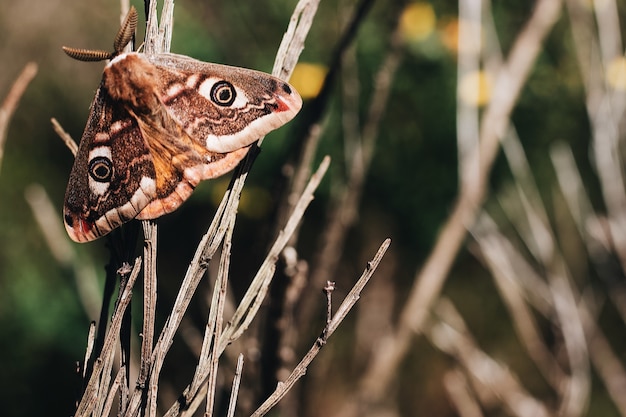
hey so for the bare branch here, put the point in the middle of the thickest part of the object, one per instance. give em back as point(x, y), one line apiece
point(235, 390)
point(343, 310)
point(149, 299)
point(67, 139)
point(429, 280)
point(459, 392)
point(452, 336)
point(12, 100)
point(292, 43)
point(97, 386)
point(221, 285)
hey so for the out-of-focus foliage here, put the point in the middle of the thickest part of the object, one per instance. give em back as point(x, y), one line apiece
point(409, 191)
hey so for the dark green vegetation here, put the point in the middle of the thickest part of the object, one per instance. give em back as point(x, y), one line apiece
point(408, 193)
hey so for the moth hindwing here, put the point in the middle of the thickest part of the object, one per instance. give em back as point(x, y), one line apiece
point(159, 125)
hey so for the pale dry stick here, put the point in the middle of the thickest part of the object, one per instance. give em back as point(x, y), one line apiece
point(527, 220)
point(155, 43)
point(216, 315)
point(103, 364)
point(166, 27)
point(460, 394)
point(149, 301)
point(531, 218)
point(607, 364)
point(592, 230)
point(605, 108)
point(12, 100)
point(151, 45)
point(104, 384)
point(514, 152)
point(430, 279)
point(576, 389)
point(606, 127)
point(117, 382)
point(204, 252)
point(212, 380)
point(578, 202)
point(67, 139)
point(289, 51)
point(124, 357)
point(492, 50)
point(257, 289)
point(494, 248)
point(208, 341)
point(452, 336)
point(235, 390)
point(533, 286)
point(468, 63)
point(573, 390)
point(91, 340)
point(343, 310)
point(124, 386)
point(292, 44)
point(221, 286)
point(608, 30)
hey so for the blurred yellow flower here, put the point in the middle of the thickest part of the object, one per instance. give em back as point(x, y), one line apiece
point(417, 21)
point(450, 34)
point(307, 79)
point(616, 73)
point(475, 88)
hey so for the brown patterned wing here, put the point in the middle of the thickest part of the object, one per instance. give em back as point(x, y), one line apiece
point(112, 179)
point(224, 108)
point(160, 125)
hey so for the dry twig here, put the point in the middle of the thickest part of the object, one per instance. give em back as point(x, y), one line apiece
point(340, 315)
point(12, 100)
point(429, 280)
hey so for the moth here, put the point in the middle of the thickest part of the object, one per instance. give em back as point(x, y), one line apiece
point(160, 124)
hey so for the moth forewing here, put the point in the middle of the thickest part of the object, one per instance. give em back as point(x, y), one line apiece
point(260, 104)
point(159, 125)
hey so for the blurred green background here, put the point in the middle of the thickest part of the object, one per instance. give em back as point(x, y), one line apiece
point(407, 196)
